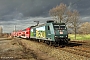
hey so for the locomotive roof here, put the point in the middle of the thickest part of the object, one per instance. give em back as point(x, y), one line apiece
point(47, 23)
point(59, 23)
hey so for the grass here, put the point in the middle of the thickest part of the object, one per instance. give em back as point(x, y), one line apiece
point(80, 36)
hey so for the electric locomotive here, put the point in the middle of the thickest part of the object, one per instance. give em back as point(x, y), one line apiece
point(50, 31)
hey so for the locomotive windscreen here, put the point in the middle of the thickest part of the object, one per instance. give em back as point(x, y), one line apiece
point(56, 26)
point(59, 26)
point(62, 27)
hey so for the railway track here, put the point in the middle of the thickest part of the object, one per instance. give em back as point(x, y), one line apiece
point(84, 44)
point(74, 48)
point(77, 51)
point(78, 48)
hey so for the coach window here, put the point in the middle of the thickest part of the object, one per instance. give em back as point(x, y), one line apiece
point(26, 32)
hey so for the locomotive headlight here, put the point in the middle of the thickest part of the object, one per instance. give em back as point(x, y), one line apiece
point(55, 36)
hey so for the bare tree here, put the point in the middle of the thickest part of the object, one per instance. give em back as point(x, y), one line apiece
point(58, 12)
point(52, 13)
point(85, 28)
point(73, 18)
point(63, 14)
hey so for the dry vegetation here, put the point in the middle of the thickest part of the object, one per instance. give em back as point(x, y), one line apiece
point(57, 54)
point(10, 49)
point(17, 48)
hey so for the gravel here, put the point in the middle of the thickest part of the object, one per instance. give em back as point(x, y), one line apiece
point(51, 51)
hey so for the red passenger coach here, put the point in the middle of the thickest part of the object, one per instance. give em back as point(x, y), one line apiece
point(19, 33)
point(26, 33)
point(13, 34)
point(22, 33)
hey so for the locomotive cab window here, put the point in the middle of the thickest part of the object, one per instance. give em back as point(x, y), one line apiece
point(56, 26)
point(62, 27)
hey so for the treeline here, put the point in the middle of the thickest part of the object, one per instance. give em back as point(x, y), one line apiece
point(5, 35)
point(84, 28)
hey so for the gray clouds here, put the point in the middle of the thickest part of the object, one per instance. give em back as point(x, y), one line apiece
point(37, 7)
point(26, 7)
point(24, 12)
point(22, 24)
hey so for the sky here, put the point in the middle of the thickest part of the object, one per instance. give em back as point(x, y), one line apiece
point(23, 13)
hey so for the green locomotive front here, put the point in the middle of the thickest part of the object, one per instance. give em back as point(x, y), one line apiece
point(61, 33)
point(50, 31)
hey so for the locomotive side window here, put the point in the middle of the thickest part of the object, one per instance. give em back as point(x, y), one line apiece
point(48, 28)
